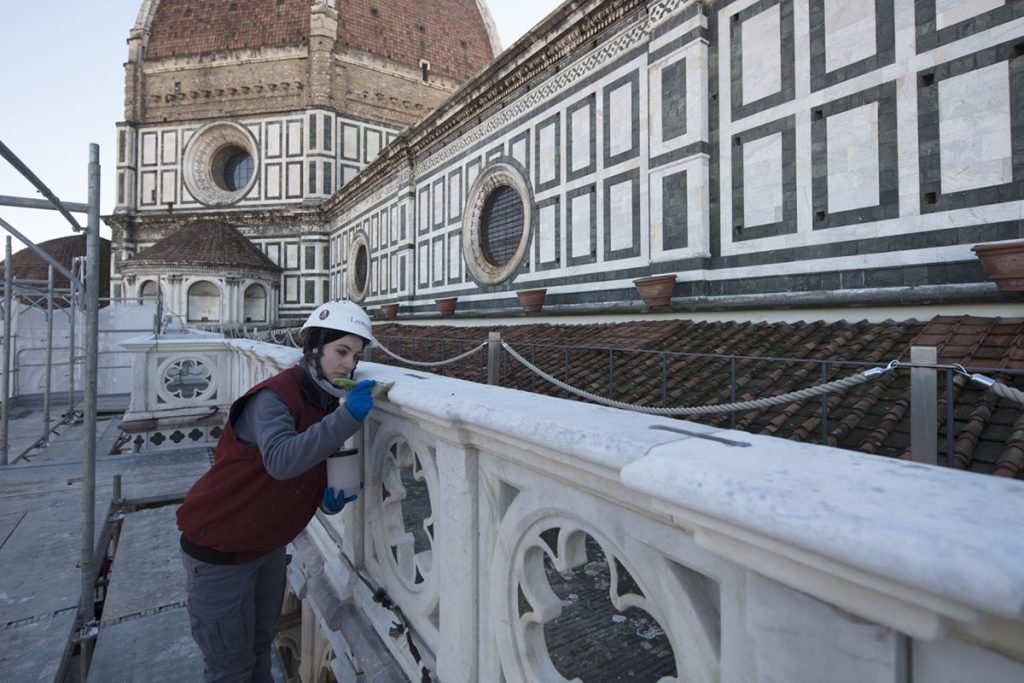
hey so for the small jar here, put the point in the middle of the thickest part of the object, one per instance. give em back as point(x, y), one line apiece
point(345, 471)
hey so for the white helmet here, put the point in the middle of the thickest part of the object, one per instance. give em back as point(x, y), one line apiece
point(343, 316)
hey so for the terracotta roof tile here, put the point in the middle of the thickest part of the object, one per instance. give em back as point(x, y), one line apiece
point(873, 417)
point(204, 243)
point(29, 266)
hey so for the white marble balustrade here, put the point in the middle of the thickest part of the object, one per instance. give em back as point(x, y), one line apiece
point(750, 558)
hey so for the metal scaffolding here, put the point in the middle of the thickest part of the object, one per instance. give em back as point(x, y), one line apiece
point(88, 292)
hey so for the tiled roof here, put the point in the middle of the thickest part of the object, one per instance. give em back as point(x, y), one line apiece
point(873, 417)
point(29, 266)
point(205, 243)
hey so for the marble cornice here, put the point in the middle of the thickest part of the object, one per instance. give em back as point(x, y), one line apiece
point(516, 82)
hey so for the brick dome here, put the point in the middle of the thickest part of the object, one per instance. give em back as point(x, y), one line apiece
point(27, 265)
point(452, 35)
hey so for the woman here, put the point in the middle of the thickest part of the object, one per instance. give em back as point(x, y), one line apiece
point(267, 479)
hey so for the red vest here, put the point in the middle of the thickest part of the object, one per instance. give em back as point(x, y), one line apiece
point(236, 507)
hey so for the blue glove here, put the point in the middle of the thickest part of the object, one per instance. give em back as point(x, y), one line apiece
point(360, 399)
point(335, 503)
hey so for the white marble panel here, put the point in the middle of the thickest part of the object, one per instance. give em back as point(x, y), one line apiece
point(373, 143)
point(580, 138)
point(949, 12)
point(350, 142)
point(454, 195)
point(274, 139)
point(438, 203)
point(348, 173)
point(454, 256)
point(424, 264)
point(168, 147)
point(621, 215)
point(761, 36)
point(294, 144)
point(849, 32)
point(620, 114)
point(294, 174)
point(424, 211)
point(782, 622)
point(546, 152)
point(519, 152)
point(291, 289)
point(148, 188)
point(952, 661)
point(762, 180)
point(273, 181)
point(472, 171)
point(438, 249)
point(149, 148)
point(853, 158)
point(167, 183)
point(974, 129)
point(546, 224)
point(580, 225)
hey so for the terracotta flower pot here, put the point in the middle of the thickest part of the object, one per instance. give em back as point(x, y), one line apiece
point(446, 306)
point(1004, 263)
point(532, 300)
point(656, 291)
point(390, 311)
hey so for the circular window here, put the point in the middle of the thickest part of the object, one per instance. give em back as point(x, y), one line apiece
point(496, 226)
point(220, 163)
point(236, 170)
point(359, 268)
point(501, 226)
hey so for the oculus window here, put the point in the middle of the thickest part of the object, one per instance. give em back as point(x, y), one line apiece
point(221, 162)
point(359, 268)
point(496, 224)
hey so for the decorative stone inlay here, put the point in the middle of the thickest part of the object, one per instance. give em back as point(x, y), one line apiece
point(207, 151)
point(545, 547)
point(402, 486)
point(656, 14)
point(186, 379)
point(496, 176)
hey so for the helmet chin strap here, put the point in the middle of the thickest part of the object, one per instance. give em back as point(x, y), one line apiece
point(318, 376)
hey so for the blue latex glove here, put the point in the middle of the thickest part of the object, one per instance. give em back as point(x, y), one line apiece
point(334, 503)
point(360, 399)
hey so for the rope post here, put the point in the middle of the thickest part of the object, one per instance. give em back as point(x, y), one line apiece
point(493, 356)
point(923, 405)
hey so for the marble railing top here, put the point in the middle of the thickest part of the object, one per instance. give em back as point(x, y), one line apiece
point(950, 533)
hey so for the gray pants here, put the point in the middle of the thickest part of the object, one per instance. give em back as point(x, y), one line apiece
point(234, 610)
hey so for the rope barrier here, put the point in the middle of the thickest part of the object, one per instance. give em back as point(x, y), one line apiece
point(999, 389)
point(285, 337)
point(434, 364)
point(801, 394)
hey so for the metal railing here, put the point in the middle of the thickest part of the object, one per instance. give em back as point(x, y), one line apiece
point(747, 375)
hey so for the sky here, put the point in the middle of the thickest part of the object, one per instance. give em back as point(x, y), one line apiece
point(62, 78)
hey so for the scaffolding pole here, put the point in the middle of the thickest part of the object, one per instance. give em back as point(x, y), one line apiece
point(92, 286)
point(5, 363)
point(49, 356)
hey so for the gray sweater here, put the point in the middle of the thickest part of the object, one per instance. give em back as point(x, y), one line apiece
point(266, 423)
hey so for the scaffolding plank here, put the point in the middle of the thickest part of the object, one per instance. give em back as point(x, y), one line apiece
point(37, 565)
point(156, 648)
point(31, 651)
point(146, 572)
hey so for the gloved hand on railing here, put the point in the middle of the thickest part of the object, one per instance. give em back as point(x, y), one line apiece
point(333, 503)
point(360, 399)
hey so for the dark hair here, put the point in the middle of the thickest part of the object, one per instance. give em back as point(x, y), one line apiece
point(316, 337)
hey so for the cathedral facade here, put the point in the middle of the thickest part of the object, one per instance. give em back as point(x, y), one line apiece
point(754, 153)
